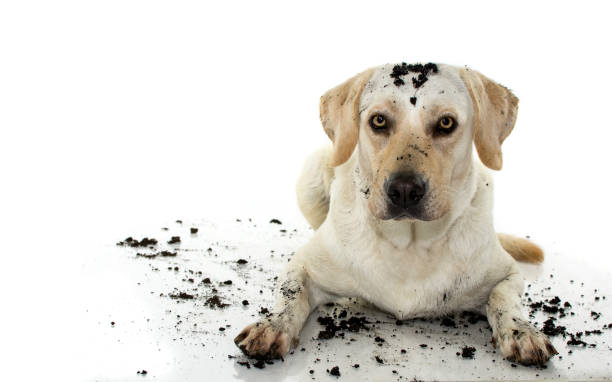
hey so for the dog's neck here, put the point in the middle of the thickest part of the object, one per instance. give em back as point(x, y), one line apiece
point(418, 233)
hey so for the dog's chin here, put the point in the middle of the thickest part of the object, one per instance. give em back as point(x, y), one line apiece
point(411, 214)
point(423, 212)
point(405, 216)
point(408, 217)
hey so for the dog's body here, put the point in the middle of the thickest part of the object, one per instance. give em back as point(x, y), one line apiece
point(408, 268)
point(403, 213)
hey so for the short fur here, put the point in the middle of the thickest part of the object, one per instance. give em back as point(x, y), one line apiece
point(442, 259)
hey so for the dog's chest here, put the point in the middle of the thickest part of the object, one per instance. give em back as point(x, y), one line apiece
point(418, 282)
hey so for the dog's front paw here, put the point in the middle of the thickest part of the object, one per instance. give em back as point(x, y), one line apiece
point(264, 340)
point(521, 342)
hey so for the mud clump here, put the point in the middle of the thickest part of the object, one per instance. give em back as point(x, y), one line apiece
point(174, 240)
point(182, 296)
point(550, 329)
point(215, 302)
point(275, 221)
point(421, 70)
point(575, 341)
point(335, 371)
point(241, 261)
point(332, 329)
point(193, 230)
point(595, 315)
point(147, 255)
point(155, 254)
point(134, 243)
point(468, 352)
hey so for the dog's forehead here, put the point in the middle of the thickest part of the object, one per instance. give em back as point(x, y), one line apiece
point(415, 86)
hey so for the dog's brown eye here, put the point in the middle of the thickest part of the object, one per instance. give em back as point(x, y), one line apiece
point(446, 125)
point(378, 122)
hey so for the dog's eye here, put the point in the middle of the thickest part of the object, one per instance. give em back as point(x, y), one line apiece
point(446, 125)
point(378, 122)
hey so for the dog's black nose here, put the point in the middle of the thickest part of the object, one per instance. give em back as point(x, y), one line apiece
point(406, 190)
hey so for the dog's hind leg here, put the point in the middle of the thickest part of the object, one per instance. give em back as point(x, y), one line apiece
point(518, 340)
point(313, 187)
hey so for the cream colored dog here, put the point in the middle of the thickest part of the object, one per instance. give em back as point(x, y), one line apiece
point(402, 210)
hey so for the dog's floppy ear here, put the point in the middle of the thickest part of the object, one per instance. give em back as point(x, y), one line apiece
point(495, 110)
point(339, 111)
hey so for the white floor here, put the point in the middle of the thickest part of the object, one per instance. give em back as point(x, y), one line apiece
point(120, 117)
point(180, 340)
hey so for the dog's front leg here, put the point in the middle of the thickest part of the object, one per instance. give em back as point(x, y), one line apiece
point(518, 340)
point(273, 336)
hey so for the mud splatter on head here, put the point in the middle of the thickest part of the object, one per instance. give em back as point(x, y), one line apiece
point(421, 70)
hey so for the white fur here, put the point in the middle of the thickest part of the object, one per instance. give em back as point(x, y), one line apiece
point(410, 268)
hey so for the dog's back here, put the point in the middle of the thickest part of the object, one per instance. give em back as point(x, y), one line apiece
point(313, 187)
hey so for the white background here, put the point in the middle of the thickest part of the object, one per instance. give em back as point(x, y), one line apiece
point(115, 114)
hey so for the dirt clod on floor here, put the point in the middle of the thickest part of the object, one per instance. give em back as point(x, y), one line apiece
point(335, 371)
point(550, 329)
point(215, 302)
point(174, 240)
point(332, 328)
point(144, 242)
point(182, 295)
point(155, 254)
point(468, 352)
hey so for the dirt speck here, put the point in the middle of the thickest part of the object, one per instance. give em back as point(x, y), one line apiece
point(468, 352)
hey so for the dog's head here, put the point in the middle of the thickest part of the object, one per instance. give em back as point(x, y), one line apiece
point(414, 126)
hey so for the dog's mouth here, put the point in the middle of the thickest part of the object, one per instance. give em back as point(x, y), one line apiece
point(397, 214)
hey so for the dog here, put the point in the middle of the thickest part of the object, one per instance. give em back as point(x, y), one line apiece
point(402, 209)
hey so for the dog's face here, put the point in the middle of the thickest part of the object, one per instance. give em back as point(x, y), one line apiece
point(414, 126)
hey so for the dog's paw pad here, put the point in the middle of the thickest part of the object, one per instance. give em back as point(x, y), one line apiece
point(525, 344)
point(263, 340)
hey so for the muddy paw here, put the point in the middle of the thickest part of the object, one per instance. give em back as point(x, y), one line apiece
point(522, 343)
point(263, 340)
